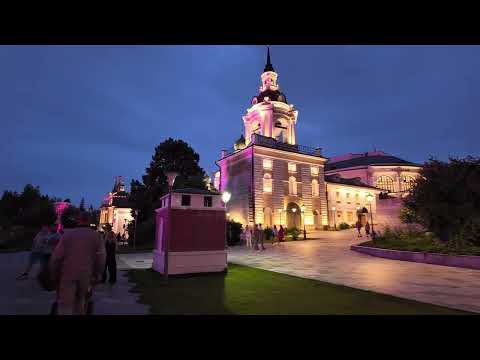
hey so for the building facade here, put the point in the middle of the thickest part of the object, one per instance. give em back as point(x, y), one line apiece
point(116, 210)
point(274, 180)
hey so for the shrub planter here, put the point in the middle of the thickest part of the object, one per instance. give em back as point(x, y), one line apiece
point(463, 261)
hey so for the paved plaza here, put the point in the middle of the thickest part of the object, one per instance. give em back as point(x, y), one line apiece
point(25, 297)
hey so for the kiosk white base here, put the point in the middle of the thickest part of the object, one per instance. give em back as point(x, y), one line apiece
point(190, 262)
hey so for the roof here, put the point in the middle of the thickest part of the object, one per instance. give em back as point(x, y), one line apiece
point(121, 202)
point(353, 182)
point(369, 160)
point(196, 191)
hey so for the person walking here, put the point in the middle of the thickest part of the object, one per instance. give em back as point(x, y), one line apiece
point(248, 237)
point(358, 225)
point(36, 254)
point(111, 260)
point(77, 263)
point(281, 234)
point(261, 235)
point(367, 229)
point(275, 234)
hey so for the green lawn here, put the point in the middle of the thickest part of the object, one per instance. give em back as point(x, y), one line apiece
point(249, 291)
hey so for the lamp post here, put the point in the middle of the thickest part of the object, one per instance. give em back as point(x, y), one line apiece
point(369, 199)
point(280, 211)
point(304, 230)
point(135, 233)
point(171, 176)
point(226, 198)
point(334, 217)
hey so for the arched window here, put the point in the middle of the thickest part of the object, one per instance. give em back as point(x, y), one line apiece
point(315, 188)
point(408, 182)
point(292, 185)
point(267, 183)
point(385, 183)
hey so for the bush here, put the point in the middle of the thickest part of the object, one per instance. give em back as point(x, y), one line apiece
point(234, 230)
point(344, 226)
point(145, 233)
point(293, 233)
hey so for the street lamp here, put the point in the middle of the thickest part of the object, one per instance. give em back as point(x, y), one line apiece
point(304, 230)
point(135, 233)
point(280, 211)
point(171, 176)
point(226, 198)
point(369, 199)
point(334, 217)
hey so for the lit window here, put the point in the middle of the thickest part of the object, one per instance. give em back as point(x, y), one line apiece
point(267, 164)
point(267, 183)
point(315, 187)
point(407, 183)
point(348, 195)
point(385, 183)
point(186, 200)
point(207, 201)
point(292, 167)
point(314, 170)
point(292, 186)
point(350, 216)
point(338, 194)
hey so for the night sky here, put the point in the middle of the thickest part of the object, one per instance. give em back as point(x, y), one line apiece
point(74, 117)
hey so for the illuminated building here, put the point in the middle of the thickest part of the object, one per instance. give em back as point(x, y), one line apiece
point(116, 209)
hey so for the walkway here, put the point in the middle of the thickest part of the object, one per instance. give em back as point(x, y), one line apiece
point(330, 259)
point(27, 298)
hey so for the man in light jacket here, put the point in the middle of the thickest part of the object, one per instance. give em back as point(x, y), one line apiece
point(77, 262)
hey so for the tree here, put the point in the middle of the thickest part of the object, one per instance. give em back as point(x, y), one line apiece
point(82, 205)
point(170, 155)
point(446, 198)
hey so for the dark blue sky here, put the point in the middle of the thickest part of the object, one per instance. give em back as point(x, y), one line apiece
point(73, 117)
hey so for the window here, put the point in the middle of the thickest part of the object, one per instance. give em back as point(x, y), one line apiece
point(385, 183)
point(314, 170)
point(339, 215)
point(407, 182)
point(356, 198)
point(186, 200)
point(337, 194)
point(348, 195)
point(207, 201)
point(292, 186)
point(292, 167)
point(267, 164)
point(315, 187)
point(349, 216)
point(267, 183)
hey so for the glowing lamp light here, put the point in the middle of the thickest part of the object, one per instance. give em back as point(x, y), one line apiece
point(334, 208)
point(294, 210)
point(369, 198)
point(280, 210)
point(171, 175)
point(303, 208)
point(226, 197)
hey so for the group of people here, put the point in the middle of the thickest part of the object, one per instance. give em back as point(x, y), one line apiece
point(255, 236)
point(359, 226)
point(75, 259)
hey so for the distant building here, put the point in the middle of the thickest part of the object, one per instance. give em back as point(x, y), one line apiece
point(116, 209)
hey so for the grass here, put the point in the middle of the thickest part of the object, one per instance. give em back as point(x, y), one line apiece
point(249, 291)
point(408, 240)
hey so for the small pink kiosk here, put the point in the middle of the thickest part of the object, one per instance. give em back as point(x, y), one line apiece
point(190, 233)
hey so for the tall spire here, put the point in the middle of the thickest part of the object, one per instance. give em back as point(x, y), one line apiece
point(268, 66)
